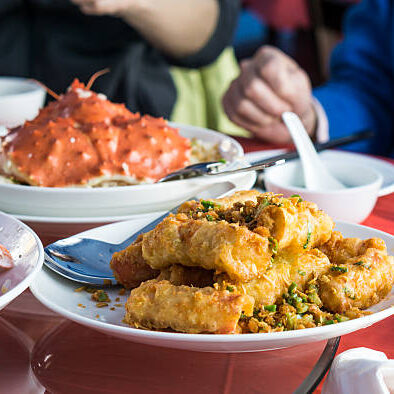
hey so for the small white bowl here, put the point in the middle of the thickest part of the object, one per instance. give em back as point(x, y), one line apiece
point(352, 204)
point(20, 100)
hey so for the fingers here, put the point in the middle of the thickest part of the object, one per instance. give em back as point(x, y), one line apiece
point(284, 77)
point(246, 114)
point(254, 88)
point(102, 7)
point(269, 84)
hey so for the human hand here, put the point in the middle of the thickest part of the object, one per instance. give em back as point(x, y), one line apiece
point(107, 7)
point(269, 84)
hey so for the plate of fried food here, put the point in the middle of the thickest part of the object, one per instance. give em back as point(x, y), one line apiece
point(21, 257)
point(248, 272)
point(84, 156)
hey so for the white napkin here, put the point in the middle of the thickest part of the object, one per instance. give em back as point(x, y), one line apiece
point(360, 370)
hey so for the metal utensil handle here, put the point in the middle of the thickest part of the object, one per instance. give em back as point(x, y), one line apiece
point(335, 143)
point(254, 167)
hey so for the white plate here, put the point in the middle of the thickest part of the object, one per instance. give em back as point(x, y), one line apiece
point(50, 229)
point(121, 200)
point(28, 254)
point(385, 168)
point(58, 294)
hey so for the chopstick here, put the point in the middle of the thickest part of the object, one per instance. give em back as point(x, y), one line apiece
point(359, 136)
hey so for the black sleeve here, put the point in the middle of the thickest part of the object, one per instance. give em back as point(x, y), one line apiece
point(220, 39)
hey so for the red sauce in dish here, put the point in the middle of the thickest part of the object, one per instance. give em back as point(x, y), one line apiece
point(83, 136)
point(6, 261)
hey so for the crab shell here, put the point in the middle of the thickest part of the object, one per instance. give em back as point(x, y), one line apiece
point(83, 139)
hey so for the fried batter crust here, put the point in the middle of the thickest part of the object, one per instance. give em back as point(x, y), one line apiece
point(287, 268)
point(369, 276)
point(161, 305)
point(339, 249)
point(219, 246)
point(294, 223)
point(130, 268)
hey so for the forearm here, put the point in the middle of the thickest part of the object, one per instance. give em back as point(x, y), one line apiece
point(177, 27)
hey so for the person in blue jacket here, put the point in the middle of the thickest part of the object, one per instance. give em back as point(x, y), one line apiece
point(359, 94)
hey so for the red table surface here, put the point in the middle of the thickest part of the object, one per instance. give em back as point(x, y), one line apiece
point(69, 358)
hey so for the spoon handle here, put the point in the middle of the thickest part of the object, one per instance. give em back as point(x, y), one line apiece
point(255, 167)
point(316, 176)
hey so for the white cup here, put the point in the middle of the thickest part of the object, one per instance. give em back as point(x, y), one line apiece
point(20, 100)
point(352, 204)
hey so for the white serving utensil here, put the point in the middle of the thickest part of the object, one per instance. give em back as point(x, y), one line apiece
point(316, 175)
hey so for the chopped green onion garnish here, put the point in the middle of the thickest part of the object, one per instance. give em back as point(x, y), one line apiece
point(292, 288)
point(209, 218)
point(230, 288)
point(274, 244)
point(308, 236)
point(302, 273)
point(314, 298)
point(222, 161)
point(327, 322)
point(338, 268)
point(299, 197)
point(362, 264)
point(207, 204)
point(270, 308)
point(349, 293)
point(301, 308)
point(340, 318)
point(290, 321)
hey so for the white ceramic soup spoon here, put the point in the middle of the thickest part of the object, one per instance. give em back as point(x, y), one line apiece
point(316, 175)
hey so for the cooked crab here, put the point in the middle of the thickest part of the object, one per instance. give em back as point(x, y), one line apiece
point(82, 139)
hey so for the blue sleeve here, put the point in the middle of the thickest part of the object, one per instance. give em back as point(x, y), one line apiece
point(359, 94)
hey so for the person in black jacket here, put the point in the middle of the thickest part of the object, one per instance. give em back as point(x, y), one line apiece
point(55, 41)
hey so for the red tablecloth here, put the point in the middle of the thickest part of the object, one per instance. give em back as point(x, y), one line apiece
point(69, 358)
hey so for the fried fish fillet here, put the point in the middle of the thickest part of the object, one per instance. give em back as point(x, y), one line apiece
point(293, 222)
point(224, 202)
point(161, 305)
point(219, 246)
point(287, 267)
point(364, 273)
point(130, 268)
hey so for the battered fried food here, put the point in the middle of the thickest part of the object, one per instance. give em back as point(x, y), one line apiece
point(293, 222)
point(339, 249)
point(287, 268)
point(359, 281)
point(130, 268)
point(219, 246)
point(189, 276)
point(275, 259)
point(161, 305)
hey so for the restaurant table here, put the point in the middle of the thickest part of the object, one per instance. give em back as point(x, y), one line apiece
point(42, 352)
